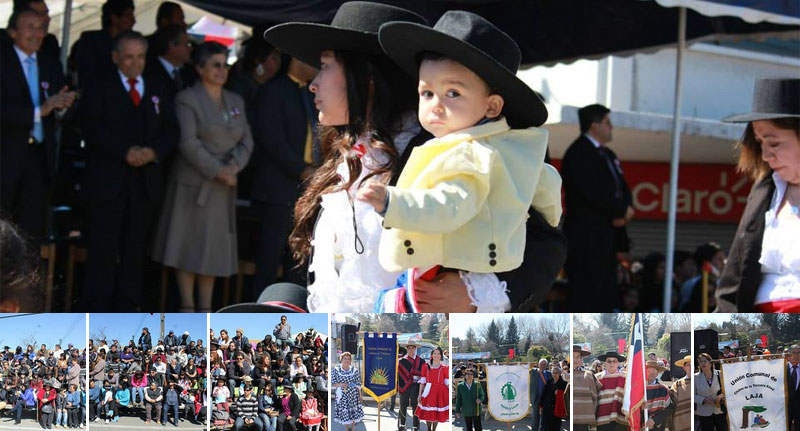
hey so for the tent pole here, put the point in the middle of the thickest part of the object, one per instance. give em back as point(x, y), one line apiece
point(676, 153)
point(66, 26)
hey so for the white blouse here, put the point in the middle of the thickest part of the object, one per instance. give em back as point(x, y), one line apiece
point(347, 274)
point(780, 252)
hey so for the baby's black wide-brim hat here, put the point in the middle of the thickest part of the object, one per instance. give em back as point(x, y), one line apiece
point(353, 28)
point(773, 98)
point(477, 44)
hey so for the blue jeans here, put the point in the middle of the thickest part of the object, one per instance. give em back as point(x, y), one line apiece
point(270, 422)
point(136, 390)
point(239, 424)
point(17, 411)
point(174, 408)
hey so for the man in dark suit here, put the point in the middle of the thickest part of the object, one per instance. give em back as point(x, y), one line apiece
point(539, 378)
point(32, 92)
point(168, 13)
point(50, 46)
point(598, 206)
point(172, 52)
point(94, 47)
point(793, 386)
point(129, 129)
point(284, 138)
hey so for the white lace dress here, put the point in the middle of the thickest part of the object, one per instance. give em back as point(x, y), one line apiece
point(347, 274)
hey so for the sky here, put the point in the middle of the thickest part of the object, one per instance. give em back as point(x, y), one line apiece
point(123, 326)
point(460, 323)
point(256, 326)
point(47, 329)
point(701, 321)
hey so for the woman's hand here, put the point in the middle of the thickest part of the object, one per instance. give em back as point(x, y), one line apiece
point(445, 293)
point(708, 401)
point(373, 192)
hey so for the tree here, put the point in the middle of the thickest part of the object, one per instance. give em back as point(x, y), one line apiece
point(493, 335)
point(537, 352)
point(471, 343)
point(432, 328)
point(512, 334)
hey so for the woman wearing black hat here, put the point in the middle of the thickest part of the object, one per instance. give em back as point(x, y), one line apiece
point(289, 409)
point(363, 100)
point(763, 268)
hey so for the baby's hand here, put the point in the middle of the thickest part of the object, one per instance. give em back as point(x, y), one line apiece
point(373, 192)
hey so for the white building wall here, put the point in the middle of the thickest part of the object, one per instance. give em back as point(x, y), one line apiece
point(717, 81)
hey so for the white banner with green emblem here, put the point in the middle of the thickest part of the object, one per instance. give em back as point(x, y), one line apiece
point(509, 396)
point(755, 393)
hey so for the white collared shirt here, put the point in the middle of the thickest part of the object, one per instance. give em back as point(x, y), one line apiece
point(170, 68)
point(22, 57)
point(780, 257)
point(592, 140)
point(127, 86)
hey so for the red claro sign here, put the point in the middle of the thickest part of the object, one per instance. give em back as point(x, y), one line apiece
point(706, 192)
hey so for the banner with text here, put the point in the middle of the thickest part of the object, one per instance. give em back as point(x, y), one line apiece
point(755, 393)
point(380, 365)
point(509, 396)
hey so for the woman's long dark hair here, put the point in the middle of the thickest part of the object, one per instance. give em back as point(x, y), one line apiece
point(378, 95)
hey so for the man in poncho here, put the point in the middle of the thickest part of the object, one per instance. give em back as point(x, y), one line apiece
point(612, 392)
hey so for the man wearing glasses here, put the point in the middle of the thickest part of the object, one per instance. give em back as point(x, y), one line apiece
point(611, 394)
point(247, 410)
point(236, 371)
point(598, 206)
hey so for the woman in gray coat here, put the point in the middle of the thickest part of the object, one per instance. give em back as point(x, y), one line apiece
point(196, 233)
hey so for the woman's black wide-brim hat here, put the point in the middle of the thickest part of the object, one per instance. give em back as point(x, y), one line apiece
point(477, 44)
point(353, 28)
point(772, 98)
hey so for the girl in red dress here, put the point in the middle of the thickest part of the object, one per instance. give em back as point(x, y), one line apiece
point(310, 414)
point(434, 400)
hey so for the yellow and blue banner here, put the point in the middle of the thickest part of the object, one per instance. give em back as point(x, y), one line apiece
point(380, 365)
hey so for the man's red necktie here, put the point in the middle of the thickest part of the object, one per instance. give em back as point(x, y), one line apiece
point(135, 96)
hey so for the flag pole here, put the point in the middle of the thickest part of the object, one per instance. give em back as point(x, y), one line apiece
point(644, 371)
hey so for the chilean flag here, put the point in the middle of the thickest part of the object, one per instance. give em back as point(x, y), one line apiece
point(636, 382)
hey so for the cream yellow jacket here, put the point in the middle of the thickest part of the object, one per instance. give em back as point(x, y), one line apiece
point(462, 200)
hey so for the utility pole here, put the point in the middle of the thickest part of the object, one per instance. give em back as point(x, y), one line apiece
point(162, 327)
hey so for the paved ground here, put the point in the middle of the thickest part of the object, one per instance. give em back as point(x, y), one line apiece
point(490, 424)
point(388, 419)
point(135, 421)
point(27, 424)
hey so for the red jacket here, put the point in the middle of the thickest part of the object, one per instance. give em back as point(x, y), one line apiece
point(45, 397)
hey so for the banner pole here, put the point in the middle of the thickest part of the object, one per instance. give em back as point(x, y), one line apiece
point(379, 416)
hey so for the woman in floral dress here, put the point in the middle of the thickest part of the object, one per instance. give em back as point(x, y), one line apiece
point(434, 399)
point(347, 383)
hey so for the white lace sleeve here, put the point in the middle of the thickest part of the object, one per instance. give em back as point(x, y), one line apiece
point(486, 291)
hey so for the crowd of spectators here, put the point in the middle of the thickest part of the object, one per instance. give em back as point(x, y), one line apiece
point(50, 382)
point(148, 380)
point(279, 383)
